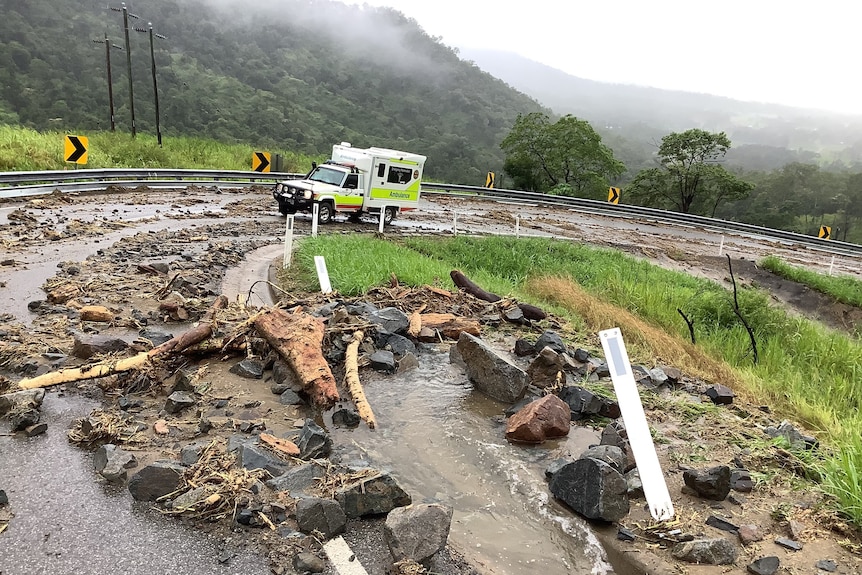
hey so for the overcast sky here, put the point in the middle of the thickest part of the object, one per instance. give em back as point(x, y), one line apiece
point(806, 54)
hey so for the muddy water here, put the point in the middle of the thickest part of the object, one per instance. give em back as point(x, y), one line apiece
point(445, 443)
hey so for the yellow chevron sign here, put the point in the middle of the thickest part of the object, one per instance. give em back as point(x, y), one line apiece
point(75, 149)
point(260, 162)
point(825, 232)
point(614, 195)
point(489, 181)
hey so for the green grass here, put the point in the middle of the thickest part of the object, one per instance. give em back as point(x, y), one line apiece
point(844, 289)
point(805, 371)
point(22, 149)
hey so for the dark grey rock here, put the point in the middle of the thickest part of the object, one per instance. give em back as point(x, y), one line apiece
point(592, 488)
point(346, 418)
point(492, 374)
point(156, 480)
point(307, 562)
point(545, 370)
point(615, 434)
point(184, 381)
point(313, 441)
point(400, 345)
point(585, 403)
point(634, 484)
point(111, 462)
point(824, 564)
point(36, 429)
point(581, 355)
point(455, 357)
point(324, 515)
point(237, 440)
point(283, 377)
point(789, 543)
point(155, 337)
point(722, 524)
point(86, 345)
point(515, 315)
point(740, 480)
point(712, 483)
point(391, 319)
point(128, 404)
point(383, 360)
point(610, 454)
point(26, 399)
point(191, 453)
point(417, 532)
point(326, 310)
point(372, 496)
point(178, 401)
point(297, 479)
point(21, 420)
point(246, 517)
point(793, 436)
point(407, 362)
point(642, 376)
point(248, 368)
point(524, 348)
point(188, 499)
point(602, 369)
point(624, 534)
point(720, 394)
point(253, 457)
point(361, 308)
point(555, 466)
point(764, 566)
point(550, 339)
point(290, 397)
point(4, 499)
point(709, 551)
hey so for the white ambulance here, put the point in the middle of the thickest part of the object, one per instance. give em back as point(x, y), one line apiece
point(356, 181)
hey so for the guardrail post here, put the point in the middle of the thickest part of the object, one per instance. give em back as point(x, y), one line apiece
point(315, 210)
point(454, 223)
point(288, 242)
point(831, 265)
point(721, 246)
point(517, 227)
point(382, 216)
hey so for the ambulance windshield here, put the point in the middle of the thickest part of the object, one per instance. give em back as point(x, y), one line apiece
point(327, 175)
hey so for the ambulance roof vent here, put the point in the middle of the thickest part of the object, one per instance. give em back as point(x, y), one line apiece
point(345, 144)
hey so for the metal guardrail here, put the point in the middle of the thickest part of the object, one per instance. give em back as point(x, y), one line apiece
point(21, 184)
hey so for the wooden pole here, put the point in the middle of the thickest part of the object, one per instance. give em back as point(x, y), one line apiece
point(351, 380)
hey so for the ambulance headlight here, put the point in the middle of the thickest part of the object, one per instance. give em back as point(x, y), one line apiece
point(279, 187)
point(307, 195)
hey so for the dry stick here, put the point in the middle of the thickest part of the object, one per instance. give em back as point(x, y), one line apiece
point(197, 334)
point(689, 323)
point(351, 380)
point(737, 312)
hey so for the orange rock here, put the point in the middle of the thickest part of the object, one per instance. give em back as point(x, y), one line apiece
point(542, 419)
point(96, 313)
point(161, 427)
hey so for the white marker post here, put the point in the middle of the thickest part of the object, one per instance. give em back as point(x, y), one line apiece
point(454, 223)
point(721, 246)
point(649, 468)
point(517, 227)
point(382, 216)
point(288, 242)
point(322, 274)
point(831, 265)
point(315, 211)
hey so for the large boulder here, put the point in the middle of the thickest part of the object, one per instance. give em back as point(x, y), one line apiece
point(585, 403)
point(297, 479)
point(592, 488)
point(711, 551)
point(111, 462)
point(712, 483)
point(313, 441)
point(156, 480)
point(547, 369)
point(324, 515)
point(492, 374)
point(252, 457)
point(550, 339)
point(545, 418)
point(372, 496)
point(391, 319)
point(417, 532)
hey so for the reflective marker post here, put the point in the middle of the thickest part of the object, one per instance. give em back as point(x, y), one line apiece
point(517, 227)
point(652, 477)
point(322, 274)
point(454, 223)
point(721, 246)
point(288, 242)
point(382, 216)
point(315, 210)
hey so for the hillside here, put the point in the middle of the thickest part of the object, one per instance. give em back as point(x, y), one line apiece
point(764, 136)
point(296, 74)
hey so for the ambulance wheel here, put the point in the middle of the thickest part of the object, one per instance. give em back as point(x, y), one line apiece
point(389, 215)
point(355, 217)
point(325, 212)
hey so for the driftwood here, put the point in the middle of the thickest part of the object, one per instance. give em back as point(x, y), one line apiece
point(351, 380)
point(449, 325)
point(530, 311)
point(284, 446)
point(415, 324)
point(298, 337)
point(197, 334)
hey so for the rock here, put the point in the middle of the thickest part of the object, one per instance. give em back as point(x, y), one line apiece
point(797, 528)
point(111, 462)
point(247, 517)
point(417, 532)
point(722, 524)
point(610, 454)
point(26, 399)
point(252, 457)
point(642, 376)
point(455, 357)
point(4, 499)
point(391, 319)
point(400, 345)
point(290, 397)
point(346, 418)
point(184, 381)
point(592, 488)
point(658, 376)
point(372, 496)
point(749, 534)
point(550, 339)
point(324, 515)
point(793, 436)
point(297, 479)
point(712, 483)
point(156, 338)
point(383, 360)
point(21, 420)
point(188, 499)
point(127, 404)
point(524, 348)
point(407, 363)
point(764, 566)
point(789, 544)
point(34, 430)
point(160, 427)
point(710, 551)
point(634, 484)
point(720, 394)
point(492, 374)
point(555, 466)
point(514, 315)
point(248, 368)
point(97, 313)
point(313, 441)
point(190, 454)
point(178, 401)
point(428, 335)
point(306, 562)
point(283, 377)
point(520, 404)
point(86, 346)
point(615, 434)
point(740, 480)
point(824, 564)
point(546, 369)
point(624, 534)
point(545, 418)
point(581, 355)
point(584, 403)
point(156, 480)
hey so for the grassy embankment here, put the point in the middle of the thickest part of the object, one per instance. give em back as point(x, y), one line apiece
point(841, 288)
point(805, 372)
point(22, 149)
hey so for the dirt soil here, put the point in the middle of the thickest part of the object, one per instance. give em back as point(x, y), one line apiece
point(690, 432)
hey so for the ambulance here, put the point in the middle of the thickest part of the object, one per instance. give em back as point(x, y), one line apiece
point(355, 181)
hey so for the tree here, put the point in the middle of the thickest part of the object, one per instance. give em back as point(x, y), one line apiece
point(689, 177)
point(541, 155)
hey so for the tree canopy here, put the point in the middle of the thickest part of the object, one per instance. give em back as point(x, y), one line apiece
point(564, 155)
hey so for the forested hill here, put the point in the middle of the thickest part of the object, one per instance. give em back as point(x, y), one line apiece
point(300, 74)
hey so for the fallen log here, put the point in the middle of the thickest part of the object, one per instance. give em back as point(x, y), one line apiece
point(530, 311)
point(414, 325)
point(351, 380)
point(449, 325)
point(298, 337)
point(197, 334)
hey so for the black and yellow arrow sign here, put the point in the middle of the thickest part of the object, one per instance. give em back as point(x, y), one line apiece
point(260, 162)
point(614, 195)
point(489, 181)
point(825, 232)
point(75, 149)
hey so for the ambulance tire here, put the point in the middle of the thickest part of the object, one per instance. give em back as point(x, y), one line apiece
point(389, 215)
point(325, 212)
point(355, 217)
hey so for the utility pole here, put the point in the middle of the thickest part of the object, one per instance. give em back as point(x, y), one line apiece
point(108, 47)
point(155, 83)
point(126, 16)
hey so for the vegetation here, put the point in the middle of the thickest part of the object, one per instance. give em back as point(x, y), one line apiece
point(844, 289)
point(805, 371)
